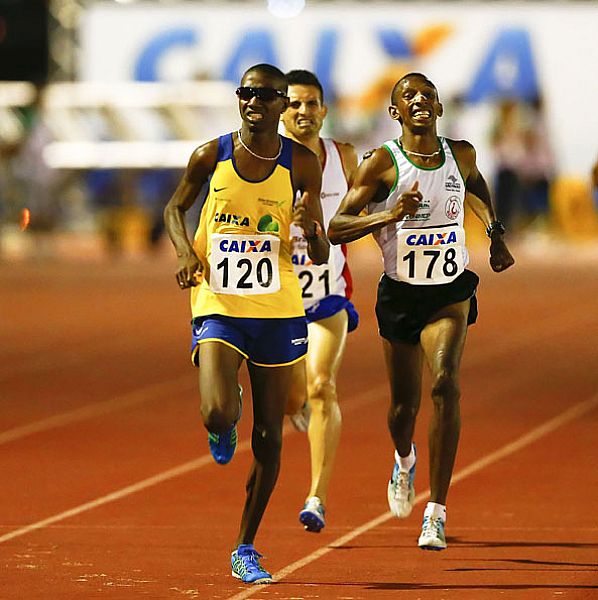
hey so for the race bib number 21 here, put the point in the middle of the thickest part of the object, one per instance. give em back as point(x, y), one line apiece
point(244, 264)
point(430, 256)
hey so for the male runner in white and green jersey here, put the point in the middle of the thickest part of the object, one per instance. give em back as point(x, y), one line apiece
point(414, 189)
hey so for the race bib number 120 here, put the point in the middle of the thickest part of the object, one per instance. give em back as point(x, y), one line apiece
point(430, 256)
point(244, 264)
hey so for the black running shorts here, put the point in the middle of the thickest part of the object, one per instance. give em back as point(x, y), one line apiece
point(403, 310)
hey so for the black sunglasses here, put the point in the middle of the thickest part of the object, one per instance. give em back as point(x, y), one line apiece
point(266, 94)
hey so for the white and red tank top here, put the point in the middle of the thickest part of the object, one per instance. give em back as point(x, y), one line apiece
point(332, 278)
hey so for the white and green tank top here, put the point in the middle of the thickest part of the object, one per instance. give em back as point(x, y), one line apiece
point(428, 248)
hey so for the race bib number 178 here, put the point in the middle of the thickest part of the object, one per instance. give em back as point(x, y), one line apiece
point(430, 256)
point(244, 264)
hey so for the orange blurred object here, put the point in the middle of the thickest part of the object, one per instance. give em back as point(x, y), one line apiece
point(430, 38)
point(25, 218)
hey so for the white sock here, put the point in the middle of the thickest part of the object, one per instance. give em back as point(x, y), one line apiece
point(435, 510)
point(405, 462)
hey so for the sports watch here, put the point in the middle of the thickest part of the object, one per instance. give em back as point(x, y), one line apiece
point(495, 226)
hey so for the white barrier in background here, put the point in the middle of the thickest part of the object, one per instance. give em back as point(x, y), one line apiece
point(353, 44)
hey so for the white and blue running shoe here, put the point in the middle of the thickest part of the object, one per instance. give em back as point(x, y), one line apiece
point(312, 515)
point(401, 490)
point(432, 536)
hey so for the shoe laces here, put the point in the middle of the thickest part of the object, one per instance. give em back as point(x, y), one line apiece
point(251, 559)
point(402, 484)
point(432, 525)
point(403, 480)
point(314, 504)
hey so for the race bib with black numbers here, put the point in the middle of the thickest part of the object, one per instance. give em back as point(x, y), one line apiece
point(244, 264)
point(430, 256)
point(315, 280)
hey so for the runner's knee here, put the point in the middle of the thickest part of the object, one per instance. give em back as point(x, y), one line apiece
point(219, 419)
point(266, 443)
point(399, 411)
point(445, 390)
point(322, 391)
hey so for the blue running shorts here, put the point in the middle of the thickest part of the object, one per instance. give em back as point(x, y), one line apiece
point(330, 305)
point(263, 342)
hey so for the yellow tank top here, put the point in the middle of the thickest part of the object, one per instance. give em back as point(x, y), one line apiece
point(243, 242)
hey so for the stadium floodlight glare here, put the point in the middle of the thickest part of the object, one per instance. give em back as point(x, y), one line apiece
point(286, 9)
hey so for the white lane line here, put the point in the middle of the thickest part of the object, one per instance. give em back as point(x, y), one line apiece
point(140, 396)
point(117, 495)
point(162, 477)
point(533, 435)
point(96, 409)
point(546, 329)
point(547, 427)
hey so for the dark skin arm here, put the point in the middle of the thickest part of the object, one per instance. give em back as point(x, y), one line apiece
point(373, 179)
point(479, 200)
point(307, 178)
point(200, 165)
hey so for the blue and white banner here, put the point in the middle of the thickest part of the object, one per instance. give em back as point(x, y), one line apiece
point(476, 52)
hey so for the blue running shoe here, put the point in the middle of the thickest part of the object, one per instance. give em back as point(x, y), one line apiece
point(401, 490)
point(223, 445)
point(312, 515)
point(432, 536)
point(245, 562)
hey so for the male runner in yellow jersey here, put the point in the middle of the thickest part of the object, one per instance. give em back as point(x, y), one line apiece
point(245, 297)
point(414, 188)
point(326, 293)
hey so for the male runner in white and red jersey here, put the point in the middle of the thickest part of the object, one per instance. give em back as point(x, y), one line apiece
point(326, 291)
point(414, 189)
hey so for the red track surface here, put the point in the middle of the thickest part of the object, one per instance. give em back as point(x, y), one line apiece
point(96, 394)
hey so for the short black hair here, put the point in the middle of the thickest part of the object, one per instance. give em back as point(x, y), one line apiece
point(303, 77)
point(397, 85)
point(270, 70)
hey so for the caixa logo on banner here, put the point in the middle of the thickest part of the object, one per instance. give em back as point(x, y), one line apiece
point(506, 67)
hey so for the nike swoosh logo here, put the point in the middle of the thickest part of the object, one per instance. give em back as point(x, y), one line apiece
point(216, 190)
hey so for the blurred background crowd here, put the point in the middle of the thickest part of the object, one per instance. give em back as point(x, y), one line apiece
point(102, 102)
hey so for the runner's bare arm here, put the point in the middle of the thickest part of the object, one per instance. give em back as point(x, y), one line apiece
point(477, 193)
point(372, 181)
point(196, 174)
point(477, 196)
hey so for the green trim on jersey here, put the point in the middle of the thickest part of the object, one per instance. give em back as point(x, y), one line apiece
point(394, 160)
point(442, 154)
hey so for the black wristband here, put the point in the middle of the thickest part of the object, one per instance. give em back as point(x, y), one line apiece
point(495, 226)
